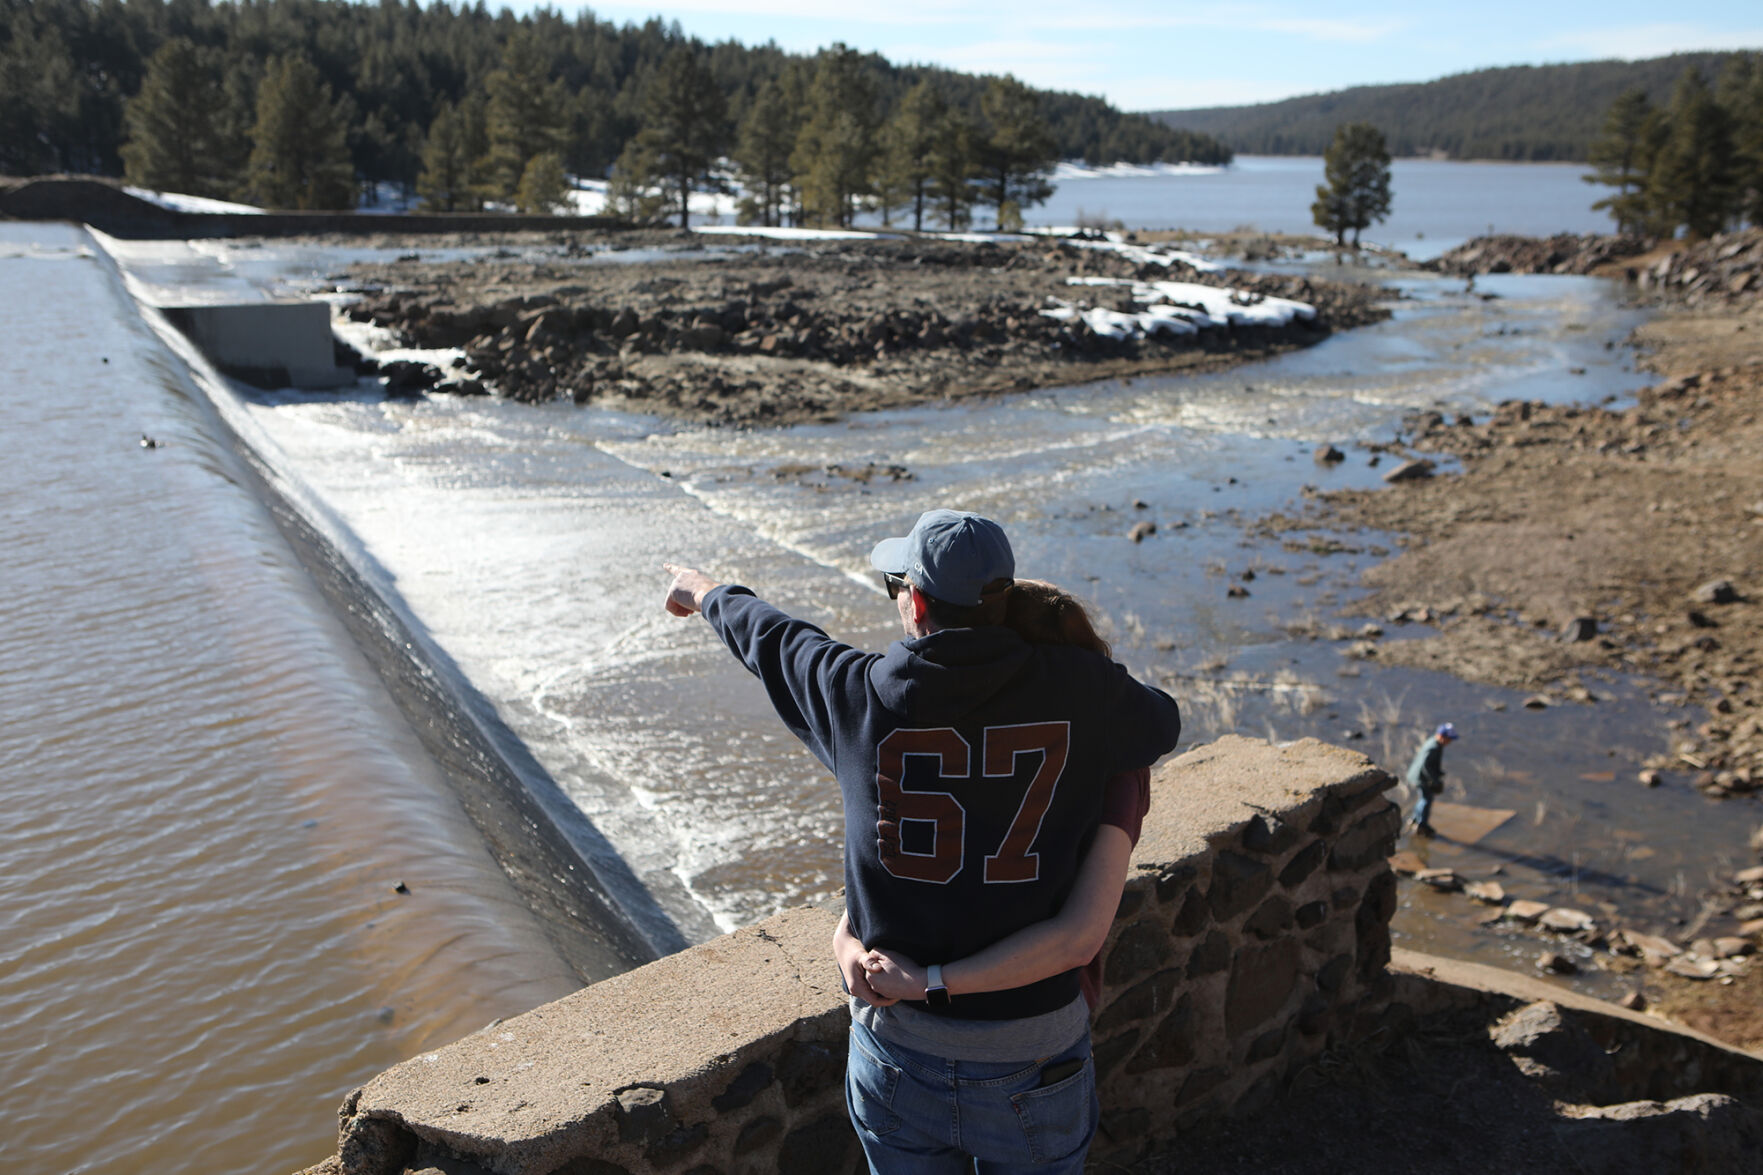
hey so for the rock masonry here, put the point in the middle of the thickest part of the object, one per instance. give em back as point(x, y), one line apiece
point(1253, 933)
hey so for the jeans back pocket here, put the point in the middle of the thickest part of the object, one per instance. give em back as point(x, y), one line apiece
point(870, 1083)
point(1058, 1119)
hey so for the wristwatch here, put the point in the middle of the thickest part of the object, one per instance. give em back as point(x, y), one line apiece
point(936, 992)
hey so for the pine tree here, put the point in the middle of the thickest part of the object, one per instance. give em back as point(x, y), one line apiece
point(952, 171)
point(1356, 193)
point(544, 189)
point(1017, 153)
point(630, 193)
point(445, 181)
point(835, 150)
point(762, 152)
point(172, 142)
point(683, 130)
point(234, 119)
point(528, 111)
point(1691, 184)
point(1740, 92)
point(1623, 154)
point(300, 150)
point(908, 149)
point(39, 94)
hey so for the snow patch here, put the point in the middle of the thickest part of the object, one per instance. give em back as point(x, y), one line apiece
point(178, 202)
point(1178, 308)
point(1073, 170)
point(779, 233)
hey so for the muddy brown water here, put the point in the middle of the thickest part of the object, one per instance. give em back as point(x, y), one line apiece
point(206, 799)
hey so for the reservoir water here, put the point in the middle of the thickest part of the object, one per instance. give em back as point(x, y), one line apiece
point(1436, 204)
point(207, 798)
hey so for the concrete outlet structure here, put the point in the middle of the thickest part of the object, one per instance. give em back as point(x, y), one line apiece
point(269, 344)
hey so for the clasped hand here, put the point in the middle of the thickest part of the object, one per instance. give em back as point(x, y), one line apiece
point(878, 978)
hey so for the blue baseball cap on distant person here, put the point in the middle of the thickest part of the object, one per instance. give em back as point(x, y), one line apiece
point(950, 555)
point(1447, 731)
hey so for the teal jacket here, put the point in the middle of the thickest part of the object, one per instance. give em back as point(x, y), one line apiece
point(1427, 772)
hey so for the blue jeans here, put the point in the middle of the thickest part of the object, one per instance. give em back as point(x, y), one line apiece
point(1423, 807)
point(925, 1115)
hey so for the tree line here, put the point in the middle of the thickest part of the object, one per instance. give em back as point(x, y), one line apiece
point(1525, 113)
point(1693, 164)
point(309, 103)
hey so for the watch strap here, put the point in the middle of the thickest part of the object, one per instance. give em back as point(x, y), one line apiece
point(935, 990)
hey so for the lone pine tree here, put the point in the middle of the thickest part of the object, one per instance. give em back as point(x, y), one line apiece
point(1356, 194)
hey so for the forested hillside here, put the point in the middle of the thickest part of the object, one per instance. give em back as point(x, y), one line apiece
point(386, 71)
point(1532, 113)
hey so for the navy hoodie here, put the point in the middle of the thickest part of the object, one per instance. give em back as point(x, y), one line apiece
point(972, 766)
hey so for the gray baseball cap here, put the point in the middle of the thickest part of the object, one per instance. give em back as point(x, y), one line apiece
point(950, 555)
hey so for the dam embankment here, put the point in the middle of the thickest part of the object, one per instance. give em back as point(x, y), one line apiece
point(600, 918)
point(110, 209)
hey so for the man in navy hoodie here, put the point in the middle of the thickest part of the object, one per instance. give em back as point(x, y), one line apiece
point(971, 764)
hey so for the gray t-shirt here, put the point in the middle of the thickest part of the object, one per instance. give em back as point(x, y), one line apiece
point(1027, 1039)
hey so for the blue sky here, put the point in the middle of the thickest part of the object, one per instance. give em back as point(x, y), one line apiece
point(1170, 54)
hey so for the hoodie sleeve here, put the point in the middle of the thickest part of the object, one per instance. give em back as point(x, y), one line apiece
point(803, 669)
point(1147, 720)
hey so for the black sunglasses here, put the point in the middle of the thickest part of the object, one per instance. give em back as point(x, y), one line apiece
point(894, 583)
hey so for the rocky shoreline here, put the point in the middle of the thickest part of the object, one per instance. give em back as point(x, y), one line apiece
point(1578, 538)
point(1569, 540)
point(1724, 271)
point(1563, 253)
point(775, 333)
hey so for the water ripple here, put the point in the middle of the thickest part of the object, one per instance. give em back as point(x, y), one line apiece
point(205, 797)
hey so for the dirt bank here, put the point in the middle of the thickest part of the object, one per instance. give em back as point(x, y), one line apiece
point(1584, 537)
point(1560, 540)
point(771, 333)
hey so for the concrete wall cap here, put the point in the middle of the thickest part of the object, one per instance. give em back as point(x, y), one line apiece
point(516, 1091)
point(1210, 793)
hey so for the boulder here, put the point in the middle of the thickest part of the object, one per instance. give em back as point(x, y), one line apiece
point(1487, 892)
point(1329, 455)
point(1556, 964)
point(1651, 947)
point(1703, 1133)
point(1552, 1048)
point(1693, 967)
point(1445, 879)
point(407, 379)
point(1566, 921)
point(1406, 863)
point(1580, 628)
point(624, 324)
point(1716, 591)
point(1418, 469)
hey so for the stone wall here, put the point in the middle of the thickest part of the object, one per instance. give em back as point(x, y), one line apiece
point(1252, 934)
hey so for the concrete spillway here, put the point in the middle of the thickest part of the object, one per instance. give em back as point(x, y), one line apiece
point(270, 344)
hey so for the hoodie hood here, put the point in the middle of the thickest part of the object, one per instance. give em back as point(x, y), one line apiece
point(943, 677)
